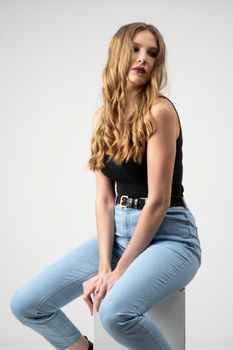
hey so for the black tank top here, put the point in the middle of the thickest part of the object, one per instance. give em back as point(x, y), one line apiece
point(131, 177)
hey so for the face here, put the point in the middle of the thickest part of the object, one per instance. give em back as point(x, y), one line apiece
point(144, 50)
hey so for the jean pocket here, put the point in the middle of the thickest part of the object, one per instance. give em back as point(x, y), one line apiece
point(186, 222)
point(175, 226)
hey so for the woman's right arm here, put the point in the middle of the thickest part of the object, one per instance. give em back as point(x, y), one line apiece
point(104, 209)
point(105, 229)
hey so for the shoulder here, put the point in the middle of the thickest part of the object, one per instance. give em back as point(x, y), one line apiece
point(163, 111)
point(164, 115)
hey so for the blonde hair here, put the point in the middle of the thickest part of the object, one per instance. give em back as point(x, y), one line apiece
point(140, 127)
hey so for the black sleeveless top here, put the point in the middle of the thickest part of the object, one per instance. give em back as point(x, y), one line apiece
point(131, 177)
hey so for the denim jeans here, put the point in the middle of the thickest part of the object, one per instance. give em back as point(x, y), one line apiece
point(166, 266)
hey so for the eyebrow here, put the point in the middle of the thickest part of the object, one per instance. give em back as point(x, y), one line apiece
point(153, 47)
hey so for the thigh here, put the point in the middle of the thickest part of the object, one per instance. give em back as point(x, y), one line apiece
point(61, 281)
point(159, 271)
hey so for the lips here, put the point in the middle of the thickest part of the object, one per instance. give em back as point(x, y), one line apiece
point(139, 69)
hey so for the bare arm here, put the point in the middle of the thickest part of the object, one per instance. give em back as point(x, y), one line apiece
point(105, 229)
point(161, 150)
point(104, 209)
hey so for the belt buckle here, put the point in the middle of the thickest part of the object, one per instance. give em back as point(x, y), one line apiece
point(121, 199)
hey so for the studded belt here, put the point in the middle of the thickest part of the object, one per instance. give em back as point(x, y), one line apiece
point(138, 203)
point(127, 202)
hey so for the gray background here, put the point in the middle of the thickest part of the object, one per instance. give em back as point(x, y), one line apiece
point(52, 57)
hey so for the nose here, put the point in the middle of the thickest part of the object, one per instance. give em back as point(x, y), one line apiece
point(141, 60)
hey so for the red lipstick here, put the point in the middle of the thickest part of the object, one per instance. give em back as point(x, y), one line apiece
point(139, 69)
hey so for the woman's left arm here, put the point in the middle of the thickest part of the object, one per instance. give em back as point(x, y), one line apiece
point(161, 152)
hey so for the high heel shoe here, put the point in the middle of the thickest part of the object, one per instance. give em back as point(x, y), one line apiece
point(90, 344)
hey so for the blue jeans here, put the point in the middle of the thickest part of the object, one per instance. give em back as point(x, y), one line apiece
point(166, 266)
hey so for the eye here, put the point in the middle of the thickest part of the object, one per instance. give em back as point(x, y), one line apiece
point(135, 49)
point(153, 54)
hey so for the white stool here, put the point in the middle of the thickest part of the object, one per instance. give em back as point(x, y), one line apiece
point(169, 315)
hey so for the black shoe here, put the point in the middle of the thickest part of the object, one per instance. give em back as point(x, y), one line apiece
point(90, 344)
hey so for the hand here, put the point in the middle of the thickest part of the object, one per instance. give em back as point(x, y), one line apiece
point(88, 288)
point(104, 285)
point(100, 286)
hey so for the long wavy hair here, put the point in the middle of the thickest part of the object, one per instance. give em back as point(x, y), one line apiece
point(133, 133)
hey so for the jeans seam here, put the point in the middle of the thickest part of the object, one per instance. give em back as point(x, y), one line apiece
point(181, 268)
point(152, 336)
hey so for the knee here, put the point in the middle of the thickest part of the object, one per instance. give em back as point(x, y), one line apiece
point(20, 305)
point(107, 315)
point(115, 320)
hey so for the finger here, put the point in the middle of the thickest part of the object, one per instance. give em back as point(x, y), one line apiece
point(100, 296)
point(98, 285)
point(90, 282)
point(97, 290)
point(89, 290)
point(87, 298)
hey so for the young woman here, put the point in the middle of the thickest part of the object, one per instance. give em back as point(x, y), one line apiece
point(146, 247)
